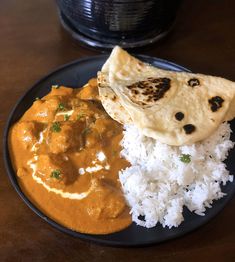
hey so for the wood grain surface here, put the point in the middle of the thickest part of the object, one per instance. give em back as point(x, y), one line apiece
point(32, 43)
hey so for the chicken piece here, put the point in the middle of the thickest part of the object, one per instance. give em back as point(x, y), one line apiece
point(26, 133)
point(84, 111)
point(43, 110)
point(65, 136)
point(91, 137)
point(59, 91)
point(89, 91)
point(103, 126)
point(108, 201)
point(54, 169)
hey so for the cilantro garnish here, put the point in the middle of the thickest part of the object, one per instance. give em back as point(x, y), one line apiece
point(86, 130)
point(56, 174)
point(185, 158)
point(79, 116)
point(56, 127)
point(66, 117)
point(61, 107)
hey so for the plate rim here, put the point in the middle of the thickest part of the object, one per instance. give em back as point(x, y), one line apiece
point(88, 237)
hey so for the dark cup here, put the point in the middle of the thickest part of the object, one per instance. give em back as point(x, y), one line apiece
point(122, 22)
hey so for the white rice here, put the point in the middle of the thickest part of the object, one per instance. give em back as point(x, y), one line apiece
point(158, 184)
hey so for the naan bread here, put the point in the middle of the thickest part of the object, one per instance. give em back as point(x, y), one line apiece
point(177, 108)
point(110, 101)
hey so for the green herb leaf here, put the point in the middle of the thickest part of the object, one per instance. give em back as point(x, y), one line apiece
point(86, 130)
point(66, 117)
point(79, 116)
point(56, 127)
point(55, 86)
point(61, 107)
point(185, 158)
point(56, 174)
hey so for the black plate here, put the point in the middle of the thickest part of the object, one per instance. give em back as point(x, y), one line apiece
point(77, 74)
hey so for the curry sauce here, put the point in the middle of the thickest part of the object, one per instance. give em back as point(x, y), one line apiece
point(66, 153)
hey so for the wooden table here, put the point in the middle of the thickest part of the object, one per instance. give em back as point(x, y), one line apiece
point(32, 43)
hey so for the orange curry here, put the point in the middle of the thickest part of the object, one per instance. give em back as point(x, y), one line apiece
point(66, 153)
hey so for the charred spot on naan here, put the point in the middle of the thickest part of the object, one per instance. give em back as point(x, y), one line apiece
point(193, 82)
point(189, 129)
point(179, 116)
point(114, 98)
point(216, 103)
point(149, 91)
